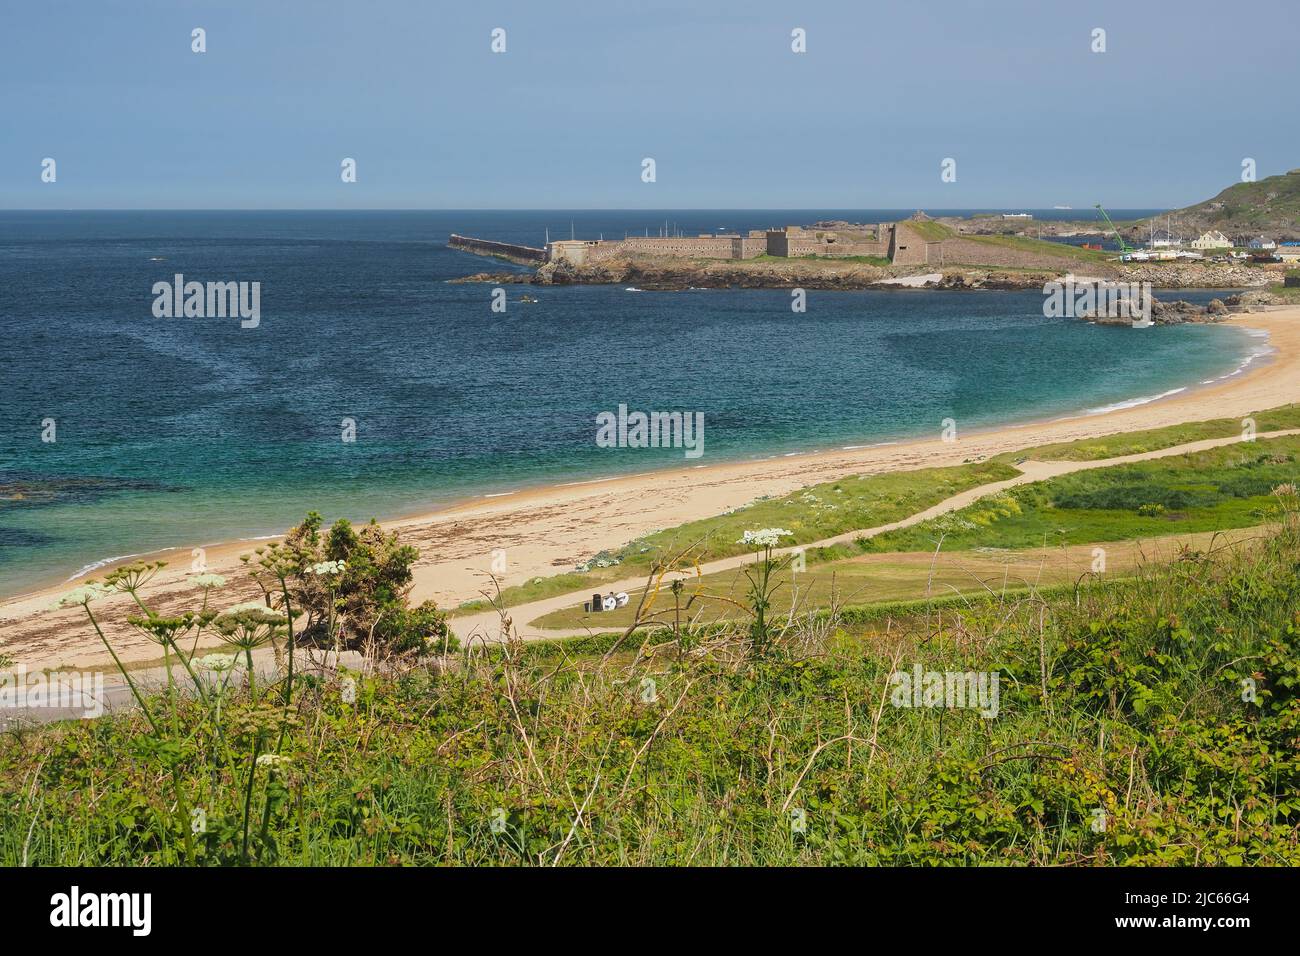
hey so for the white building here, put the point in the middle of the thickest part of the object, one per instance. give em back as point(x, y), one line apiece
point(1261, 242)
point(1212, 240)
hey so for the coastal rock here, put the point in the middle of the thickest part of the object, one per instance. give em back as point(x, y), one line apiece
point(1255, 298)
point(498, 278)
point(1176, 312)
point(657, 272)
point(1196, 275)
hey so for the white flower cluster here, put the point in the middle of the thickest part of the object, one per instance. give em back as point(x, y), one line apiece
point(82, 595)
point(328, 567)
point(765, 537)
point(208, 581)
point(248, 606)
point(217, 662)
point(271, 760)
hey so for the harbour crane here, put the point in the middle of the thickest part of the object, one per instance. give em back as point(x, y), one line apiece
point(1124, 247)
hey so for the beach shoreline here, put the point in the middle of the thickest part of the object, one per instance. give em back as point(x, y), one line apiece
point(548, 529)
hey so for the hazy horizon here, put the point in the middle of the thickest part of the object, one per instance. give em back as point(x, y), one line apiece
point(564, 117)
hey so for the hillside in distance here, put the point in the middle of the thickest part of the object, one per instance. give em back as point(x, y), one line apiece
point(1269, 207)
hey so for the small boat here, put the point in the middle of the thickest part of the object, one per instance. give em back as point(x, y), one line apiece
point(527, 298)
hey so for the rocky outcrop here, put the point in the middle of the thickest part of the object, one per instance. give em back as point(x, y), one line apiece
point(659, 272)
point(1196, 275)
point(1254, 299)
point(1175, 312)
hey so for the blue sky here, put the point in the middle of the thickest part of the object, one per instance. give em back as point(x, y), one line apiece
point(585, 90)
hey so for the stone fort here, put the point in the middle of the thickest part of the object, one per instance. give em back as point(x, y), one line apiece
point(884, 241)
point(903, 243)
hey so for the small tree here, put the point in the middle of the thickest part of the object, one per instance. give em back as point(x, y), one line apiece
point(354, 586)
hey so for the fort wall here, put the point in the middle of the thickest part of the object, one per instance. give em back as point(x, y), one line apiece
point(503, 250)
point(900, 242)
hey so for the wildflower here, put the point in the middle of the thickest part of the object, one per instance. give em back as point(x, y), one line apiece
point(271, 760)
point(162, 630)
point(207, 581)
point(249, 625)
point(328, 567)
point(131, 577)
point(765, 537)
point(217, 662)
point(80, 597)
point(247, 606)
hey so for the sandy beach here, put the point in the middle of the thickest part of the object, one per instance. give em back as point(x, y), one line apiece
point(546, 531)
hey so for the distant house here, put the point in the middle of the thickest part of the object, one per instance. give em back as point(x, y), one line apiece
point(1164, 239)
point(1261, 242)
point(1212, 240)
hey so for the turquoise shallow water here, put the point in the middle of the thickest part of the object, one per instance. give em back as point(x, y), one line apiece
point(186, 431)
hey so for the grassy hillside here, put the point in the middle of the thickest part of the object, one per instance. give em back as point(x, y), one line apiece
point(929, 229)
point(1270, 206)
point(1061, 250)
point(1146, 723)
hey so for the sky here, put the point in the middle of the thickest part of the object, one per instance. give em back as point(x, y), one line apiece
point(711, 90)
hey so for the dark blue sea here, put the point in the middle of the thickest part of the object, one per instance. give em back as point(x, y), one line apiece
point(185, 431)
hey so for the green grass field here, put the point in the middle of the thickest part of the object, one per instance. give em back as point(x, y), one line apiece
point(883, 578)
point(1136, 443)
point(1227, 487)
point(812, 514)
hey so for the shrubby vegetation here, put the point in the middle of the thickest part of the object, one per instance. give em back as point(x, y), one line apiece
point(1163, 708)
point(216, 741)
